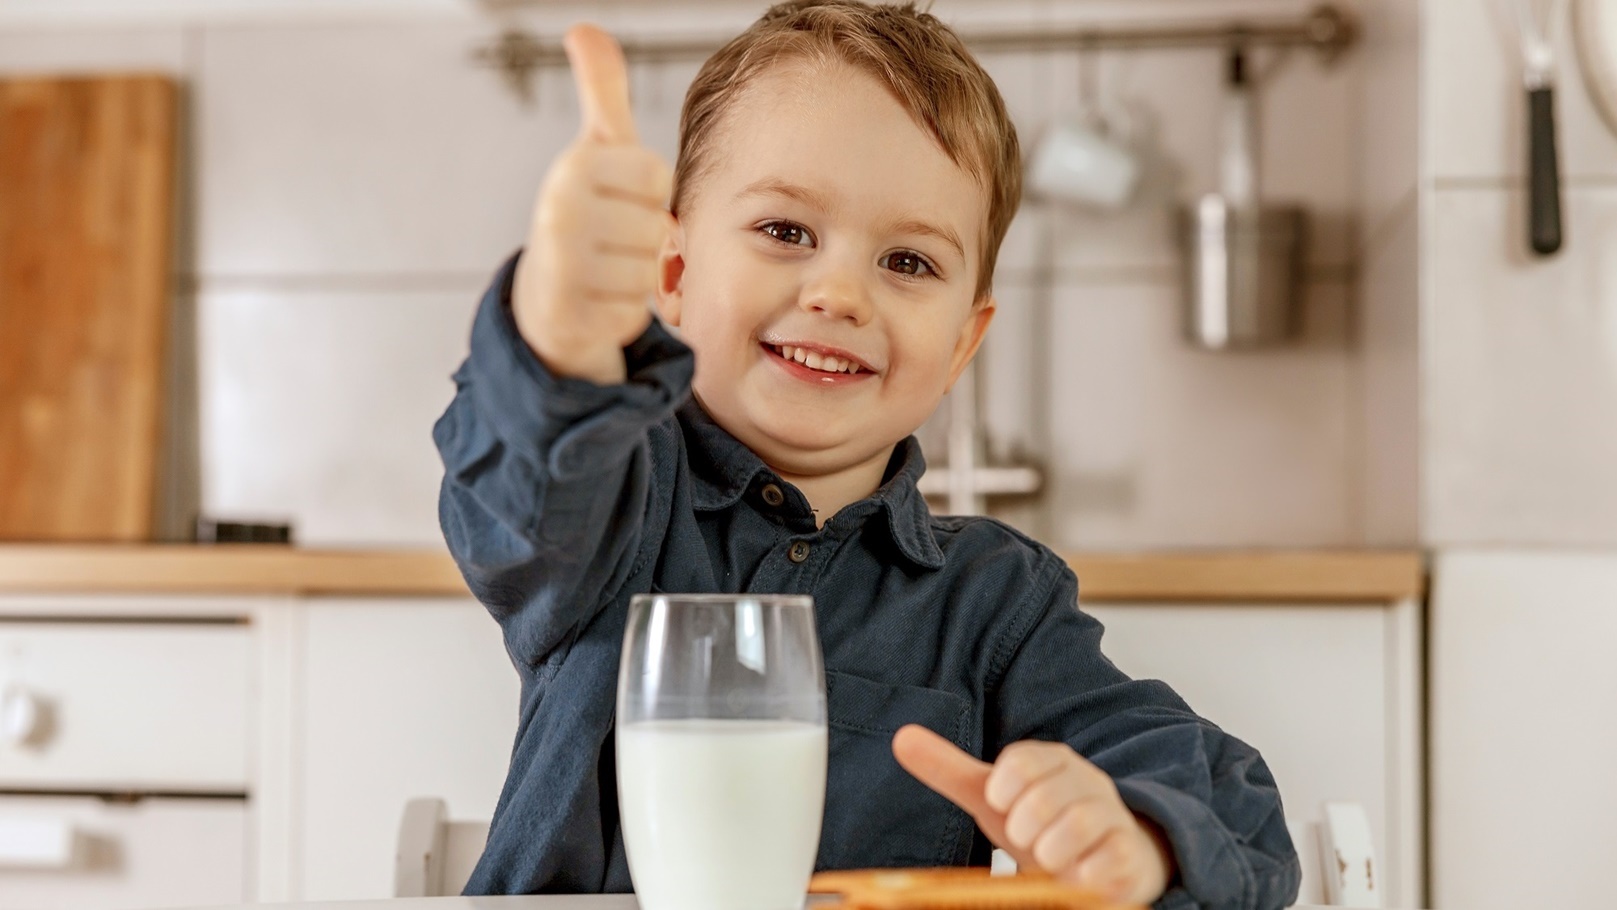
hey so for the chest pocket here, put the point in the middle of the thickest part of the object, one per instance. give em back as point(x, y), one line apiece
point(876, 814)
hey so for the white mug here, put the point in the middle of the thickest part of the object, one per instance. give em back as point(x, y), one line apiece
point(1084, 161)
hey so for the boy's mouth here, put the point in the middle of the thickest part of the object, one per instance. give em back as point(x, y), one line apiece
point(821, 366)
point(814, 360)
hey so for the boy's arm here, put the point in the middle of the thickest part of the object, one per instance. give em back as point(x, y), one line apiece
point(547, 469)
point(1210, 794)
point(547, 479)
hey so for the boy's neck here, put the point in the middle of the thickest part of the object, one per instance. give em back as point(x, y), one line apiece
point(828, 493)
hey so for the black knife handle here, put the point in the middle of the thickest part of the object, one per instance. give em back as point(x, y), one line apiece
point(1544, 176)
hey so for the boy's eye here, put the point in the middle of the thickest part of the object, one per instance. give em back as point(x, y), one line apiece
point(787, 232)
point(905, 262)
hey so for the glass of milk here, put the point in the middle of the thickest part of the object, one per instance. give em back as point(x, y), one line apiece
point(721, 748)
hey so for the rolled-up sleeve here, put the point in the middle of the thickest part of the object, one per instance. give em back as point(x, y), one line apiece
point(546, 478)
point(1211, 793)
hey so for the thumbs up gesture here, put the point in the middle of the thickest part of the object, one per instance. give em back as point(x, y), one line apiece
point(582, 286)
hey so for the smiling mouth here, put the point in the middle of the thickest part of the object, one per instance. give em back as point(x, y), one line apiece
point(814, 360)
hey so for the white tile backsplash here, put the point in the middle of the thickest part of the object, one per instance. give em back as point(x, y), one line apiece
point(1154, 444)
point(1520, 373)
point(1388, 130)
point(1387, 328)
point(59, 51)
point(1475, 126)
point(1388, 373)
point(317, 407)
point(335, 150)
point(357, 180)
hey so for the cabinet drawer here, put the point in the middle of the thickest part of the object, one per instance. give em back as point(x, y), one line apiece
point(155, 852)
point(125, 706)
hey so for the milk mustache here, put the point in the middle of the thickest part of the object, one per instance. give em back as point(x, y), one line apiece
point(721, 814)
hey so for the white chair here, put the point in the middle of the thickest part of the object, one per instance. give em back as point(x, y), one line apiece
point(1340, 868)
point(435, 855)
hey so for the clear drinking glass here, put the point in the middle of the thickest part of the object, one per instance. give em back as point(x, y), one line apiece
point(721, 748)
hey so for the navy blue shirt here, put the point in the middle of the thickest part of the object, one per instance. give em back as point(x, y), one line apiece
point(561, 499)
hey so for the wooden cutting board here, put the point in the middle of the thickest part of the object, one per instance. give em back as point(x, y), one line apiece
point(86, 191)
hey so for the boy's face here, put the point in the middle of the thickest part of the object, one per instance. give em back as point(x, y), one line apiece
point(827, 222)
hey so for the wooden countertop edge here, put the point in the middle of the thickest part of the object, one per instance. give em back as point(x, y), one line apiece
point(1273, 576)
point(224, 569)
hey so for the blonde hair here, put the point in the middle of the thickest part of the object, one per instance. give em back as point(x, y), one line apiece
point(917, 57)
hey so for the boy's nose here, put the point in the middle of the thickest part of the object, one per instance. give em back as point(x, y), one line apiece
point(837, 297)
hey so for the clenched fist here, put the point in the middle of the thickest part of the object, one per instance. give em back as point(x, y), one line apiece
point(1050, 808)
point(583, 284)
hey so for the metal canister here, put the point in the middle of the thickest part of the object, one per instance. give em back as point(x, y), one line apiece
point(1242, 273)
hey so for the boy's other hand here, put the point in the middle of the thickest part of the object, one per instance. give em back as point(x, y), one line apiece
point(582, 287)
point(1050, 808)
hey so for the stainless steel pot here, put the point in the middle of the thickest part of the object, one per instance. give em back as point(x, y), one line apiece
point(1242, 273)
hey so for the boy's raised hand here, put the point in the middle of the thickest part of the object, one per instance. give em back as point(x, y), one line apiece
point(591, 262)
point(1049, 808)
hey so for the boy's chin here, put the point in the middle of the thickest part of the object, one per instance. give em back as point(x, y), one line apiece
point(809, 447)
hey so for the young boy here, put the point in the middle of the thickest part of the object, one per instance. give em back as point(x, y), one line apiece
point(824, 246)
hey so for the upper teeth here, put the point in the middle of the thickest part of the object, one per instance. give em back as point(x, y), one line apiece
point(817, 361)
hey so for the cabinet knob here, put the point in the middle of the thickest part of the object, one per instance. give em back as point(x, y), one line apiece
point(21, 716)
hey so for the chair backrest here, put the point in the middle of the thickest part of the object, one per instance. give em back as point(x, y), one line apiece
point(1338, 858)
point(435, 856)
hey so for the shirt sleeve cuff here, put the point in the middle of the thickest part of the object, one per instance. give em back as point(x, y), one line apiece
point(573, 426)
point(1212, 870)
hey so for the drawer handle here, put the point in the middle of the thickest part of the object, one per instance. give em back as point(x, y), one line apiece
point(36, 843)
point(22, 716)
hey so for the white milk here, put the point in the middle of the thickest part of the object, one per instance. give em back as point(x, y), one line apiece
point(721, 814)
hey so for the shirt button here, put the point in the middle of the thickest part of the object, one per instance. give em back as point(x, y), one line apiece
point(798, 552)
point(773, 496)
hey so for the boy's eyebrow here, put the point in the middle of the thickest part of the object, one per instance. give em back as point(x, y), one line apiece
point(771, 186)
point(916, 226)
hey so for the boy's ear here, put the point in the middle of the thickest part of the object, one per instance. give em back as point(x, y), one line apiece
point(971, 337)
point(671, 274)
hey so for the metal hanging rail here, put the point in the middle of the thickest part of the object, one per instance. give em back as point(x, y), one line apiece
point(1327, 30)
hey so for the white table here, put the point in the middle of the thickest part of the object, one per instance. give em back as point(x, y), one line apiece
point(526, 902)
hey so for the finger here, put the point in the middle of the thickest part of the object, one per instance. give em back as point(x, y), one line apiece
point(630, 308)
point(942, 765)
point(1107, 868)
point(621, 276)
point(623, 223)
point(1038, 806)
point(1021, 765)
point(632, 172)
point(602, 78)
point(1077, 831)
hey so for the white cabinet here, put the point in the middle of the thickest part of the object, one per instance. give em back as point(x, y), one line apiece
point(127, 706)
point(152, 852)
point(124, 756)
point(1524, 729)
point(1329, 693)
point(393, 699)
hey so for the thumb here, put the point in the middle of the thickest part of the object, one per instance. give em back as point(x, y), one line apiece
point(957, 776)
point(944, 767)
point(602, 78)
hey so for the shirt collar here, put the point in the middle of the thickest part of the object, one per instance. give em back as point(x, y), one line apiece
point(723, 469)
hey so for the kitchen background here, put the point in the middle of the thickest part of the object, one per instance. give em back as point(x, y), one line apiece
point(350, 176)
